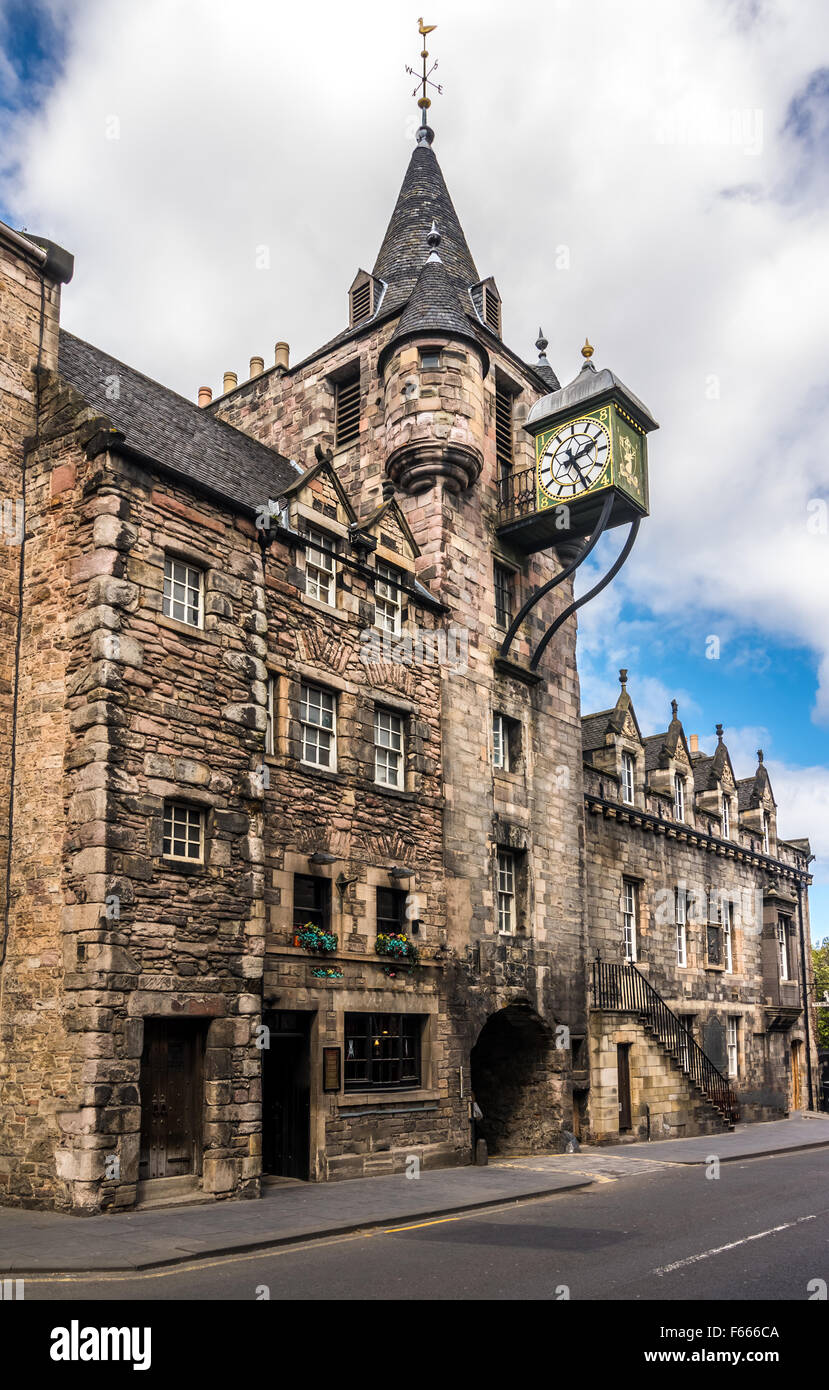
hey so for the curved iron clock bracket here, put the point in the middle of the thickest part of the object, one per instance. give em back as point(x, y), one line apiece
point(551, 584)
point(591, 593)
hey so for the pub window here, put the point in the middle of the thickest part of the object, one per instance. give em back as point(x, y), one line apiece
point(506, 891)
point(312, 901)
point(390, 908)
point(382, 1051)
point(630, 894)
point(318, 723)
point(183, 832)
point(504, 583)
point(346, 410)
point(388, 599)
point(182, 598)
point(388, 748)
point(320, 567)
point(627, 778)
point(504, 452)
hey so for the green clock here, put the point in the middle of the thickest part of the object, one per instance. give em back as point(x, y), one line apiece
point(588, 453)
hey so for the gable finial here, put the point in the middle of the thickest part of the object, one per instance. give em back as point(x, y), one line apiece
point(718, 732)
point(587, 351)
point(541, 344)
point(759, 755)
point(674, 708)
point(623, 677)
point(434, 240)
point(425, 135)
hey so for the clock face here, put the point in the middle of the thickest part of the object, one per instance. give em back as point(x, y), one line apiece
point(574, 459)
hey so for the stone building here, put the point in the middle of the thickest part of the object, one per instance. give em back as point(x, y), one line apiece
point(296, 860)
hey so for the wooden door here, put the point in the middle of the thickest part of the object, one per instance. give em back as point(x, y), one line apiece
point(286, 1097)
point(171, 1098)
point(623, 1070)
point(797, 1077)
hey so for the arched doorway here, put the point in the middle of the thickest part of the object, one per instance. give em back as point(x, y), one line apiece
point(517, 1083)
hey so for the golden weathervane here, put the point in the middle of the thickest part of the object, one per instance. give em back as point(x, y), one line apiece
point(424, 80)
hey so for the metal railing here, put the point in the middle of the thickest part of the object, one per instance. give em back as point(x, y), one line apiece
point(619, 986)
point(516, 494)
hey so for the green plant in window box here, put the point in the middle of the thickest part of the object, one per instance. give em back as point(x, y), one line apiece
point(327, 972)
point(397, 944)
point(316, 939)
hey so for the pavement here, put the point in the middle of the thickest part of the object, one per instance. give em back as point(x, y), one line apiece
point(34, 1242)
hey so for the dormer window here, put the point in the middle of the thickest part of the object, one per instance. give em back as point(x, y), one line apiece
point(362, 299)
point(679, 797)
point(627, 778)
point(492, 310)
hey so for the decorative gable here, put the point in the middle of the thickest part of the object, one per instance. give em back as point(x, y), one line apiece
point(389, 528)
point(319, 491)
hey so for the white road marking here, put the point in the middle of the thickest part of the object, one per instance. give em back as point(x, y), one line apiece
point(733, 1245)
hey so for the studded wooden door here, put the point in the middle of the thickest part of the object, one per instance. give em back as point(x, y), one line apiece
point(171, 1099)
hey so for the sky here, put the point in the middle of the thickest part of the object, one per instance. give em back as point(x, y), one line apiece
point(652, 175)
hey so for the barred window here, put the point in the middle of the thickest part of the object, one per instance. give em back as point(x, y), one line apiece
point(382, 1051)
point(506, 891)
point(318, 720)
point(183, 832)
point(503, 595)
point(320, 569)
point(388, 600)
point(182, 598)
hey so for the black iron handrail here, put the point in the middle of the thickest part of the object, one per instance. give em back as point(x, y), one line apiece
point(618, 985)
point(516, 493)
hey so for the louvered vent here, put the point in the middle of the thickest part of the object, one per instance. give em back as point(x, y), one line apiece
point(492, 311)
point(503, 430)
point(347, 420)
point(361, 306)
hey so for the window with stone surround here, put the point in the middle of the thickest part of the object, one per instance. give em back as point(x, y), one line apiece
point(506, 743)
point(507, 916)
point(318, 723)
point(766, 845)
point(679, 797)
point(389, 751)
point(321, 567)
point(630, 913)
point(347, 409)
point(681, 926)
point(504, 580)
point(732, 1040)
point(783, 943)
point(183, 590)
point(270, 710)
point(183, 832)
point(430, 359)
point(727, 917)
point(388, 599)
point(628, 766)
point(382, 1051)
point(390, 910)
point(726, 818)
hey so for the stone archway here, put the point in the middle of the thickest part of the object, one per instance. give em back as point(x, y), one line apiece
point(516, 1082)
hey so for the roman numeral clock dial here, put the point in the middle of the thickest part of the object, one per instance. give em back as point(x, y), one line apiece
point(574, 459)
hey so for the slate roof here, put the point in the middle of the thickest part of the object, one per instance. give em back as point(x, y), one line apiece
point(654, 743)
point(176, 433)
point(422, 200)
point(593, 730)
point(586, 386)
point(434, 306)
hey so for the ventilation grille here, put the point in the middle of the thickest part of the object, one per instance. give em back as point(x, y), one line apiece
point(492, 311)
point(503, 430)
point(347, 420)
point(361, 302)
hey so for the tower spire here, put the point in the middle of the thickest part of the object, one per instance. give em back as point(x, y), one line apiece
point(425, 135)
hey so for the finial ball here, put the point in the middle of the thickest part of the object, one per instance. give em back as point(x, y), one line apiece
point(587, 351)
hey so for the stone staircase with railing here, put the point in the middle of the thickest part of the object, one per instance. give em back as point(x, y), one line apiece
point(619, 987)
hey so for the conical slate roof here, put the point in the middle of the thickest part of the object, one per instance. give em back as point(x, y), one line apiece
point(423, 199)
point(434, 307)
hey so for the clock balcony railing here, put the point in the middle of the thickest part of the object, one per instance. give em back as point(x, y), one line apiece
point(516, 494)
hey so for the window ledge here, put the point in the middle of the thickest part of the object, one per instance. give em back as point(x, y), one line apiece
point(181, 866)
point(330, 610)
point(393, 1096)
point(186, 629)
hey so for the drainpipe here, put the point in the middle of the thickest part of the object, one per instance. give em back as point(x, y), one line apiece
point(805, 986)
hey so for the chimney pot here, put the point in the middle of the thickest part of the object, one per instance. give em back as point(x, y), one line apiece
point(281, 355)
point(229, 382)
point(257, 366)
point(205, 395)
point(694, 743)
